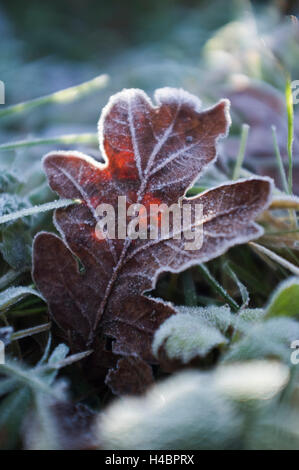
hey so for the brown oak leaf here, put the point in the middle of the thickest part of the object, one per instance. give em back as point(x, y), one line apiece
point(96, 288)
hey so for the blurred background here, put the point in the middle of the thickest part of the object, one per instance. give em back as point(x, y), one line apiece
point(211, 48)
point(48, 45)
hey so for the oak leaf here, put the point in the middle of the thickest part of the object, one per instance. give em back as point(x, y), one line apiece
point(95, 288)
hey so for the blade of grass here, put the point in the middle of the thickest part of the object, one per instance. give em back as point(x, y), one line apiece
point(12, 295)
point(46, 352)
point(290, 113)
point(29, 311)
point(65, 362)
point(67, 95)
point(278, 259)
point(289, 202)
point(282, 232)
point(196, 190)
point(7, 385)
point(30, 331)
point(26, 377)
point(85, 138)
point(243, 290)
point(279, 161)
point(292, 255)
point(241, 153)
point(37, 209)
point(247, 276)
point(8, 278)
point(218, 287)
point(29, 302)
point(189, 289)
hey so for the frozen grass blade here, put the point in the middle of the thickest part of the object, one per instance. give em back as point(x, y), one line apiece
point(30, 331)
point(68, 95)
point(279, 161)
point(67, 361)
point(13, 295)
point(218, 287)
point(37, 209)
point(25, 313)
point(8, 278)
point(67, 139)
point(28, 378)
point(241, 154)
point(273, 256)
point(243, 290)
point(189, 289)
point(285, 202)
point(282, 232)
point(290, 113)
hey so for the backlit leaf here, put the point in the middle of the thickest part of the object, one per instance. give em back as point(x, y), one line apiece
point(285, 300)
